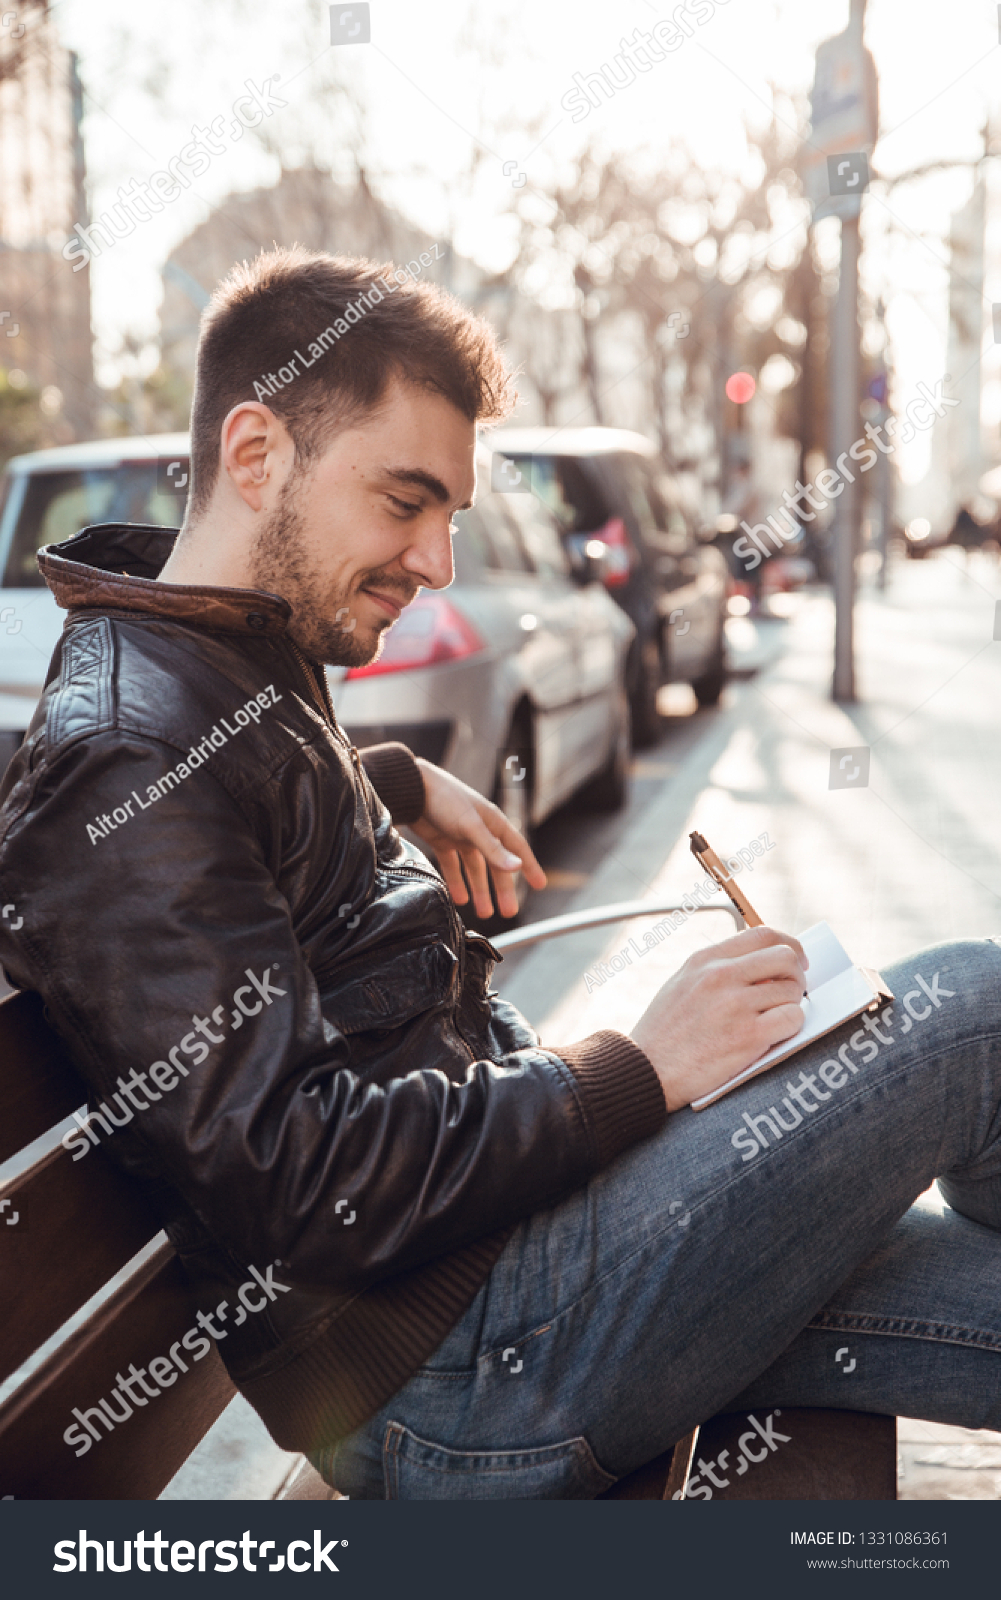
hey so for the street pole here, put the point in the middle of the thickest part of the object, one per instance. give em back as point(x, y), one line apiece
point(885, 489)
point(844, 432)
point(845, 416)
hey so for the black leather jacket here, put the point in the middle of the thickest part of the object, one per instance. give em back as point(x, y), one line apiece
point(270, 993)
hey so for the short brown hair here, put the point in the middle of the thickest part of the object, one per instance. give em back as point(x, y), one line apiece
point(266, 312)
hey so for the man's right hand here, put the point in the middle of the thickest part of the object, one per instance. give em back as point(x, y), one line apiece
point(725, 1007)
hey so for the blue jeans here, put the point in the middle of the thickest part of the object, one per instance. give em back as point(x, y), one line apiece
point(762, 1253)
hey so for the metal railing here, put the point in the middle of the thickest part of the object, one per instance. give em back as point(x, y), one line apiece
point(619, 911)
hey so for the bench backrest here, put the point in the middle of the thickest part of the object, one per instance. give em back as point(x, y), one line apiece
point(67, 1229)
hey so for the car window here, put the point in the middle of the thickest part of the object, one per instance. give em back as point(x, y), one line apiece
point(58, 504)
point(654, 498)
point(539, 536)
point(565, 488)
point(630, 470)
point(472, 546)
point(505, 551)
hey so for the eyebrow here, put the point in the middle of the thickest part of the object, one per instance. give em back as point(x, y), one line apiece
point(424, 480)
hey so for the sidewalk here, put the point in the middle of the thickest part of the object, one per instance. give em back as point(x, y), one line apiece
point(911, 859)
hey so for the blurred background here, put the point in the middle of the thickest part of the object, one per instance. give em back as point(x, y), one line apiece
point(720, 260)
point(635, 244)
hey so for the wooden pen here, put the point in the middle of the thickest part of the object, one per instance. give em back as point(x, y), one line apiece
point(711, 863)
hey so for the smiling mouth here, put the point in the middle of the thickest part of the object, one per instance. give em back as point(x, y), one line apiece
point(392, 606)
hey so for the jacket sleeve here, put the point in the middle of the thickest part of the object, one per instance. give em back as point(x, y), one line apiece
point(165, 951)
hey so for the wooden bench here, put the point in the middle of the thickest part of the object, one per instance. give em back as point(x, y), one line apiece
point(70, 1230)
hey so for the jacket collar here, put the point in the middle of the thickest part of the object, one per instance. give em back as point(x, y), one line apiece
point(113, 566)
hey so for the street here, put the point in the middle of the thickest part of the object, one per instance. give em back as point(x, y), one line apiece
point(908, 860)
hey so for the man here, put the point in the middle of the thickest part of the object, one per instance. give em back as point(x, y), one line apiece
point(488, 1269)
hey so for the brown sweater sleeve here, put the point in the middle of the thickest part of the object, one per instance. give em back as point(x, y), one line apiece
point(396, 778)
point(621, 1093)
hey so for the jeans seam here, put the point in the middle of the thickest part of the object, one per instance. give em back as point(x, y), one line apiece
point(903, 1328)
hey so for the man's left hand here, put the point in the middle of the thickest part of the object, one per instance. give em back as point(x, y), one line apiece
point(460, 826)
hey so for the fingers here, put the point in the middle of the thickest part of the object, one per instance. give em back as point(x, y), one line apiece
point(512, 843)
point(778, 992)
point(754, 939)
point(476, 872)
point(774, 961)
point(451, 871)
point(499, 846)
point(779, 1024)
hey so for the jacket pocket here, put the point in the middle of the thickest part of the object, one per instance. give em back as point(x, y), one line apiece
point(417, 1469)
point(388, 987)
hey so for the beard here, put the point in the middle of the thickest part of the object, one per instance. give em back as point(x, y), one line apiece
point(323, 623)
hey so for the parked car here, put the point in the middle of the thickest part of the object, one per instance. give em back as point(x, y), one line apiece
point(45, 497)
point(609, 485)
point(513, 678)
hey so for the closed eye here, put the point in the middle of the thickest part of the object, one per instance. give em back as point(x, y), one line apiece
point(409, 508)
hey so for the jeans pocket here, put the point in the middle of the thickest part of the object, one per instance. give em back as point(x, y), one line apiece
point(417, 1469)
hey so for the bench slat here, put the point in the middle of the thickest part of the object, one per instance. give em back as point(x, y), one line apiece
point(79, 1222)
point(38, 1084)
point(830, 1455)
point(148, 1314)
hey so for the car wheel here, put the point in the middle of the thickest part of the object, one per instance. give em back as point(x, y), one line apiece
point(513, 785)
point(608, 790)
point(644, 716)
point(513, 793)
point(709, 687)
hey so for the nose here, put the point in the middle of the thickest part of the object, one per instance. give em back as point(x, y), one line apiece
point(428, 558)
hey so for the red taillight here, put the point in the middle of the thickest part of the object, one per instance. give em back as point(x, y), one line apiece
point(618, 552)
point(429, 631)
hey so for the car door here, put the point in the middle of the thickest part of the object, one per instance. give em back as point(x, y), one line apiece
point(551, 623)
point(45, 507)
point(30, 620)
point(685, 590)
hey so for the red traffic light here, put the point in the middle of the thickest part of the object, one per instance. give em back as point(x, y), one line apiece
point(740, 386)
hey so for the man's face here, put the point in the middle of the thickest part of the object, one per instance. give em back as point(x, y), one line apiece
point(355, 539)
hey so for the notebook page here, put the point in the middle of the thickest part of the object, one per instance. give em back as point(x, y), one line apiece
point(845, 992)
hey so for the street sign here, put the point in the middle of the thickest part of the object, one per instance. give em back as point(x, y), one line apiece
point(844, 120)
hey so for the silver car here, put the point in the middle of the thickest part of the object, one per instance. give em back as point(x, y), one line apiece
point(513, 678)
point(48, 496)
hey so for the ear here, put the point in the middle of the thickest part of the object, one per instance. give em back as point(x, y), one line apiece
point(255, 452)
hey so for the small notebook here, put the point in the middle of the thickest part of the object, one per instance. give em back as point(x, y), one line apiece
point(836, 991)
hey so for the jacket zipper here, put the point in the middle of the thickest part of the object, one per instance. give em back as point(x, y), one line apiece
point(424, 873)
point(427, 875)
point(320, 699)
